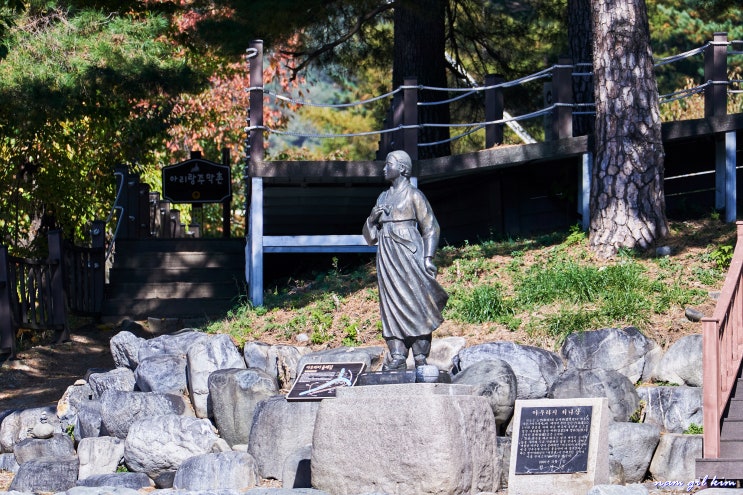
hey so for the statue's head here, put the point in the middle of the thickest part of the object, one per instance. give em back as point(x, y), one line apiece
point(403, 161)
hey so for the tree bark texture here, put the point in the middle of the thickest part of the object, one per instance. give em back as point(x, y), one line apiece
point(580, 39)
point(420, 37)
point(627, 200)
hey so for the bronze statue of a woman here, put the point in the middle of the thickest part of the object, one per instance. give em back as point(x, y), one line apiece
point(407, 233)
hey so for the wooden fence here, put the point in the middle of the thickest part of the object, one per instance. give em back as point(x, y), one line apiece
point(37, 294)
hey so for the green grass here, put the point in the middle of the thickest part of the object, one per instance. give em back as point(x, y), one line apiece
point(542, 289)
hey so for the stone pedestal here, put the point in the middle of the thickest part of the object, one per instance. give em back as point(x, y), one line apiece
point(408, 439)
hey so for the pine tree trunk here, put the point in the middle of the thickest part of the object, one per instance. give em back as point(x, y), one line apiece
point(627, 199)
point(420, 37)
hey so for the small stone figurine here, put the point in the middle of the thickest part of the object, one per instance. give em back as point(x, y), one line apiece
point(403, 226)
point(42, 429)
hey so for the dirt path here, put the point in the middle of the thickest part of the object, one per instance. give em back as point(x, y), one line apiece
point(41, 374)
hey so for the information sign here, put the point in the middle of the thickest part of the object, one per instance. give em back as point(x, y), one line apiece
point(197, 181)
point(319, 381)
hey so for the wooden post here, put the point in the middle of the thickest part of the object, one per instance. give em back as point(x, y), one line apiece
point(98, 262)
point(725, 174)
point(254, 246)
point(7, 331)
point(493, 110)
point(585, 191)
point(143, 210)
point(562, 93)
point(131, 207)
point(715, 70)
point(254, 185)
point(410, 117)
point(255, 113)
point(227, 203)
point(58, 310)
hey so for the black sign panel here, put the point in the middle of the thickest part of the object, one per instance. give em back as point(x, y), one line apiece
point(553, 440)
point(320, 380)
point(196, 181)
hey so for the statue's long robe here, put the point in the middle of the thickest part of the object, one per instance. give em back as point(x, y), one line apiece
point(410, 299)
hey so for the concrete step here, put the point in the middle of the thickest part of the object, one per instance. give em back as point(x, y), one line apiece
point(180, 259)
point(170, 275)
point(132, 246)
point(174, 290)
point(735, 409)
point(731, 448)
point(732, 429)
point(140, 309)
point(721, 469)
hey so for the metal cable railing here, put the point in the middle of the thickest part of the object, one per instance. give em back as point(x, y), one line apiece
point(579, 70)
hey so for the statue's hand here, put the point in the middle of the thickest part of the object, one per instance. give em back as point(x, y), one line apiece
point(376, 213)
point(430, 267)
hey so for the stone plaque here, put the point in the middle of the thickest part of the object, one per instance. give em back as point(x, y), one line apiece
point(318, 381)
point(559, 446)
point(553, 440)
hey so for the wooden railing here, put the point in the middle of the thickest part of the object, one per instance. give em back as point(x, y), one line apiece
point(722, 350)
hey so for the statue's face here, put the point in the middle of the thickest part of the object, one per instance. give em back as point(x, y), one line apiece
point(391, 169)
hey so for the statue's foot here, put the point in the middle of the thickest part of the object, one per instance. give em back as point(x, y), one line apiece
point(396, 363)
point(420, 360)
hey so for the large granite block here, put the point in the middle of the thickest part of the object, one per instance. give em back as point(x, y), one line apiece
point(409, 439)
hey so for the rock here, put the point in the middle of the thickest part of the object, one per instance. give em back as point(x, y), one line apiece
point(673, 409)
point(535, 369)
point(631, 446)
point(88, 422)
point(277, 360)
point(370, 356)
point(178, 344)
point(58, 446)
point(286, 491)
point(102, 490)
point(494, 380)
point(682, 363)
point(256, 356)
point(693, 314)
point(269, 445)
point(75, 398)
point(165, 373)
point(422, 423)
point(134, 481)
point(157, 446)
point(16, 426)
point(101, 455)
point(612, 349)
point(503, 460)
point(675, 457)
point(222, 471)
point(125, 349)
point(618, 490)
point(235, 393)
point(623, 399)
point(443, 353)
point(119, 379)
point(662, 251)
point(205, 357)
point(8, 463)
point(46, 474)
point(297, 472)
point(119, 410)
